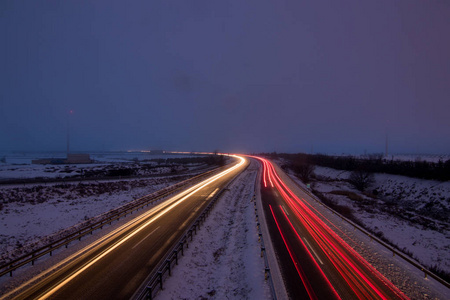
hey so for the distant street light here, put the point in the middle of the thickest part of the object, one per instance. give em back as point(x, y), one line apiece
point(68, 132)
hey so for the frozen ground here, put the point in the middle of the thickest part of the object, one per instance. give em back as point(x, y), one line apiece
point(406, 277)
point(412, 213)
point(25, 158)
point(401, 156)
point(33, 212)
point(18, 166)
point(223, 261)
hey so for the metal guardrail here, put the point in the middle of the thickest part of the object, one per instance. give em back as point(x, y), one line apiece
point(372, 237)
point(267, 273)
point(23, 260)
point(155, 283)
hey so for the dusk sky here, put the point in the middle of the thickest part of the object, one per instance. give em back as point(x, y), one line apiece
point(237, 76)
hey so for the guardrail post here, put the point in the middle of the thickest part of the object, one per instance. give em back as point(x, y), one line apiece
point(176, 257)
point(182, 248)
point(262, 251)
point(149, 292)
point(168, 264)
point(266, 273)
point(160, 280)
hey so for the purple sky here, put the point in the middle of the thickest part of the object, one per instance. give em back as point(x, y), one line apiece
point(257, 75)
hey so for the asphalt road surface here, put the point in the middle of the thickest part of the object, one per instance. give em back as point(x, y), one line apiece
point(315, 262)
point(115, 266)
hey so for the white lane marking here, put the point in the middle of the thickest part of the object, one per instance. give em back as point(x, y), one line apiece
point(285, 211)
point(315, 254)
point(145, 237)
point(212, 194)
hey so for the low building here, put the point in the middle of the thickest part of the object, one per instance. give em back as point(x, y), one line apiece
point(71, 159)
point(78, 159)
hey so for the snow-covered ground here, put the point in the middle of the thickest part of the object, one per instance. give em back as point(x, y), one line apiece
point(31, 211)
point(419, 157)
point(400, 156)
point(412, 213)
point(224, 260)
point(48, 172)
point(409, 279)
point(25, 158)
point(36, 211)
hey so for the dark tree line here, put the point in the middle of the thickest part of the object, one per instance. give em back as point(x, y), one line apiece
point(419, 169)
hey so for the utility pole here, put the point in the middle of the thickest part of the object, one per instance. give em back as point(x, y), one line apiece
point(68, 133)
point(386, 150)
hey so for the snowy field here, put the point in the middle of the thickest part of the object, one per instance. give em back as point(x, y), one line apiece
point(401, 156)
point(412, 213)
point(37, 211)
point(25, 158)
point(19, 166)
point(31, 211)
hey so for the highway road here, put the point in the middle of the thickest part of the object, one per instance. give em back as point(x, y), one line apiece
point(315, 262)
point(115, 265)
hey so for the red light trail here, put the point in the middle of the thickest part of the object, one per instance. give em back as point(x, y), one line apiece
point(362, 280)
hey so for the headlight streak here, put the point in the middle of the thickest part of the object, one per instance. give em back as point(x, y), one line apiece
point(330, 243)
point(194, 190)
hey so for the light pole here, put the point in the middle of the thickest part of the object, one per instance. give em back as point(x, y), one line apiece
point(68, 132)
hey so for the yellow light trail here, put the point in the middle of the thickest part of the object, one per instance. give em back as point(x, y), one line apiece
point(161, 210)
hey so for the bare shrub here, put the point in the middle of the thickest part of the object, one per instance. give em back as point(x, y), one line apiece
point(361, 179)
point(303, 168)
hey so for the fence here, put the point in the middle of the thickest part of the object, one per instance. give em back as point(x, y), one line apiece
point(115, 215)
point(155, 283)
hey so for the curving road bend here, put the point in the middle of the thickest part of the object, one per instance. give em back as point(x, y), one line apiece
point(115, 265)
point(315, 262)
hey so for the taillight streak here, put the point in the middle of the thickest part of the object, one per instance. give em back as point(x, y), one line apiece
point(300, 271)
point(311, 256)
point(329, 242)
